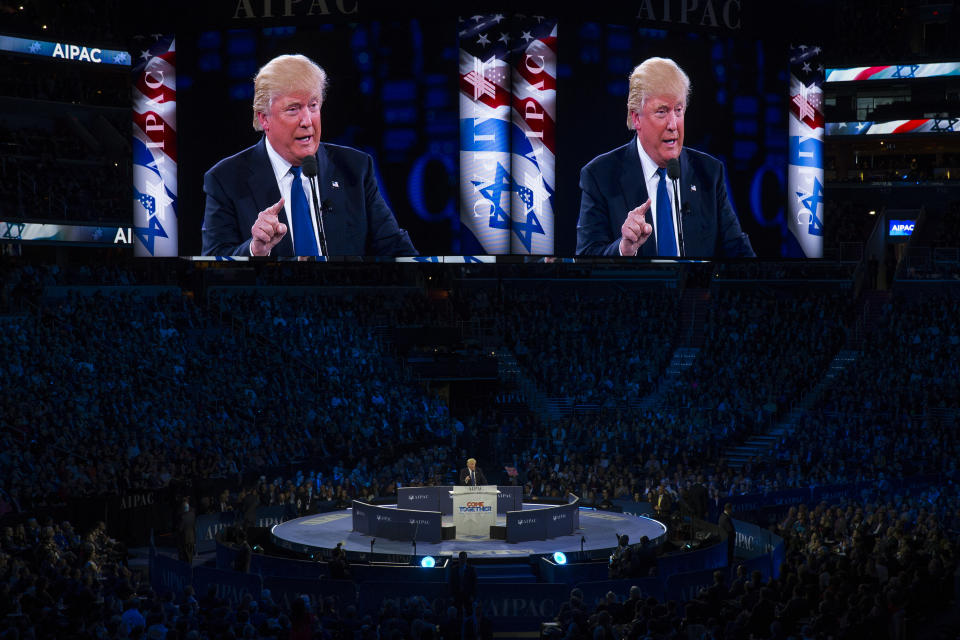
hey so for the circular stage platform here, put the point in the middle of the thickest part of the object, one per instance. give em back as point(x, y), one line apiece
point(312, 535)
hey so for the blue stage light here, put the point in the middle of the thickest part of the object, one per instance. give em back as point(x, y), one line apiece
point(560, 557)
point(428, 562)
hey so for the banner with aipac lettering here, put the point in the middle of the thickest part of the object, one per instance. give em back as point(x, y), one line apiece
point(508, 70)
point(805, 203)
point(64, 51)
point(155, 150)
point(231, 586)
point(533, 140)
point(169, 574)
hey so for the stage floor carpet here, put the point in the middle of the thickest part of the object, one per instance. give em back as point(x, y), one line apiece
point(598, 529)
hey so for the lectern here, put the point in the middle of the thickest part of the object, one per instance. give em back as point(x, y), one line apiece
point(474, 510)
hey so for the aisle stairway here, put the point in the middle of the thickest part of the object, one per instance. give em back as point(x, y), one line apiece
point(760, 445)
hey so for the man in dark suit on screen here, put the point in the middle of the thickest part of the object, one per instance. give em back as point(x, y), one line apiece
point(472, 475)
point(259, 201)
point(629, 206)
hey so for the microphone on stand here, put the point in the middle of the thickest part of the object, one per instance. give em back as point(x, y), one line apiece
point(673, 172)
point(309, 166)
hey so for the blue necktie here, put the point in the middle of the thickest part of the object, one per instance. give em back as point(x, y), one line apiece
point(666, 242)
point(304, 241)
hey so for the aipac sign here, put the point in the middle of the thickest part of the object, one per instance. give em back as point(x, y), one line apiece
point(64, 51)
point(900, 228)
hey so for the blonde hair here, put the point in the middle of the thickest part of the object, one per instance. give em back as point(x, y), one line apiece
point(286, 74)
point(655, 76)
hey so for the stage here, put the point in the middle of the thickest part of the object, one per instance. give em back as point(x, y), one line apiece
point(316, 535)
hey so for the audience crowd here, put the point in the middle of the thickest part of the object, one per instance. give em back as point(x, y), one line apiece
point(854, 570)
point(58, 584)
point(197, 398)
point(588, 345)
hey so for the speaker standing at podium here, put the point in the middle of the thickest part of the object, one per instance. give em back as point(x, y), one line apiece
point(472, 475)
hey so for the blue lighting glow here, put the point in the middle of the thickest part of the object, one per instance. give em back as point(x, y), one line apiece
point(560, 557)
point(428, 562)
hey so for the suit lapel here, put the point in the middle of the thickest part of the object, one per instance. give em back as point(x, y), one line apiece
point(634, 185)
point(336, 214)
point(331, 221)
point(266, 192)
point(690, 198)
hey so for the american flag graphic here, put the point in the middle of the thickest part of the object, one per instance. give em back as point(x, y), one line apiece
point(805, 204)
point(507, 134)
point(892, 127)
point(894, 71)
point(155, 149)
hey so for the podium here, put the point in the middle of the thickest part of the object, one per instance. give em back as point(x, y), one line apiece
point(474, 510)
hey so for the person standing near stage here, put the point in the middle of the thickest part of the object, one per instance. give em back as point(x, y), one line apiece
point(186, 532)
point(727, 530)
point(463, 584)
point(472, 475)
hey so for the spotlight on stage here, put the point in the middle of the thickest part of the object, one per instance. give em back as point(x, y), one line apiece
point(428, 562)
point(560, 557)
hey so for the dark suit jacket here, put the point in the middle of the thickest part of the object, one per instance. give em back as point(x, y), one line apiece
point(612, 185)
point(463, 587)
point(465, 475)
point(727, 530)
point(188, 527)
point(663, 505)
point(356, 220)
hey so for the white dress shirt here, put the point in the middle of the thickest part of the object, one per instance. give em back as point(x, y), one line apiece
point(284, 178)
point(652, 180)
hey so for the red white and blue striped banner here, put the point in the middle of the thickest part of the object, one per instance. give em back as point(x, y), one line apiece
point(894, 72)
point(507, 134)
point(893, 127)
point(533, 148)
point(155, 150)
point(805, 171)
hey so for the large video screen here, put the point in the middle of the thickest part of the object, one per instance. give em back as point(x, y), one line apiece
point(477, 125)
point(396, 92)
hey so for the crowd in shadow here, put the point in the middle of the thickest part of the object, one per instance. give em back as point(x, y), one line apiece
point(198, 398)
